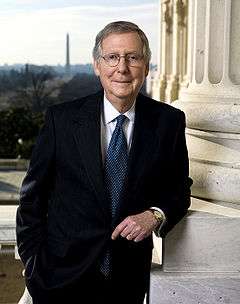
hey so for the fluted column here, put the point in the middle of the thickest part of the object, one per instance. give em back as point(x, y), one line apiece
point(178, 47)
point(172, 50)
point(165, 50)
point(212, 99)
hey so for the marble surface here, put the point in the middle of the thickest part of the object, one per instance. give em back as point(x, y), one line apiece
point(215, 208)
point(218, 148)
point(201, 258)
point(7, 224)
point(215, 182)
point(207, 243)
point(212, 113)
point(26, 298)
point(14, 164)
point(214, 164)
point(198, 289)
point(10, 181)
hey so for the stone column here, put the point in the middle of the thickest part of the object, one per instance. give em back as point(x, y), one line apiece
point(201, 256)
point(178, 50)
point(172, 50)
point(212, 99)
point(165, 50)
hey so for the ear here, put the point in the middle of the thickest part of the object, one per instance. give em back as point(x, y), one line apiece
point(96, 67)
point(147, 69)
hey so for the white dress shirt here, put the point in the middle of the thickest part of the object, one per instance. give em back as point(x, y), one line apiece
point(108, 124)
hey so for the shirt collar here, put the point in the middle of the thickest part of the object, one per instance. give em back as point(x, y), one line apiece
point(110, 113)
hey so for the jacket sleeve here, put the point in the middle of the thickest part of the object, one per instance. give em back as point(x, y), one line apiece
point(177, 197)
point(34, 194)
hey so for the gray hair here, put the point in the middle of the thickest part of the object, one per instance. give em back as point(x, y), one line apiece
point(121, 27)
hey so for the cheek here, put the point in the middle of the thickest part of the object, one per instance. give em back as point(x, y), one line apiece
point(139, 78)
point(107, 75)
point(106, 80)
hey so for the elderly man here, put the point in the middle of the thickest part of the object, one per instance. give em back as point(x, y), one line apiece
point(107, 170)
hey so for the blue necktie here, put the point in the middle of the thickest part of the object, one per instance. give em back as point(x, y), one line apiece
point(115, 174)
point(116, 165)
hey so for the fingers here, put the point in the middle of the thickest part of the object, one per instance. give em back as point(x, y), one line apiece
point(119, 229)
point(141, 236)
point(128, 229)
point(135, 227)
point(133, 233)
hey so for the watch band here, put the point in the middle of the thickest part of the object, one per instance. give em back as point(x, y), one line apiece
point(158, 215)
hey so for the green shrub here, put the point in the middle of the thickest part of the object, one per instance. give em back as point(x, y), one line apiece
point(19, 128)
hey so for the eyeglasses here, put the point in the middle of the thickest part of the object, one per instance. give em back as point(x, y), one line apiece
point(132, 59)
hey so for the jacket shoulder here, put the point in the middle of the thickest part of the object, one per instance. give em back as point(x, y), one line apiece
point(161, 107)
point(71, 106)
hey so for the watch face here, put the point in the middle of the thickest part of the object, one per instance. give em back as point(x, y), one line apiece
point(157, 215)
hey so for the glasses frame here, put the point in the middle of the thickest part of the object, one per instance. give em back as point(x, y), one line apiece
point(122, 56)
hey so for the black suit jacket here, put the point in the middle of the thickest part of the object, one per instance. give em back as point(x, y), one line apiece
point(63, 219)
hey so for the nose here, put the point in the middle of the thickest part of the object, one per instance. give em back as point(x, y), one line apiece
point(122, 66)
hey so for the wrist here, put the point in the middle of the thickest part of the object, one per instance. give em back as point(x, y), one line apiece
point(157, 216)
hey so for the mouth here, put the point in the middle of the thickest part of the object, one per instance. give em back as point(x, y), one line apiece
point(125, 81)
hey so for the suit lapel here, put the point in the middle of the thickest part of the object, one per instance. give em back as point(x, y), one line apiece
point(87, 135)
point(143, 144)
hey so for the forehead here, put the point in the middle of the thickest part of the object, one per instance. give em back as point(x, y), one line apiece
point(122, 42)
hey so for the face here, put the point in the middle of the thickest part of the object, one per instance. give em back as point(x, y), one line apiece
point(123, 82)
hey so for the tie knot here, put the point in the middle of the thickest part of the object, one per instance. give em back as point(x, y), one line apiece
point(120, 120)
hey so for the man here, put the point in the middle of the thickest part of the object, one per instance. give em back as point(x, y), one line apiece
point(107, 170)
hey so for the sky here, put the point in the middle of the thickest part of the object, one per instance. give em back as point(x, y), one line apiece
point(35, 31)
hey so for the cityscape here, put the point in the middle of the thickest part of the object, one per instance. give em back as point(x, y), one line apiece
point(28, 89)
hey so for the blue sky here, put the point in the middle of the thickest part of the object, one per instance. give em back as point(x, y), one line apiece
point(35, 31)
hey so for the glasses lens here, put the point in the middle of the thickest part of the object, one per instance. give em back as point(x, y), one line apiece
point(112, 59)
point(133, 59)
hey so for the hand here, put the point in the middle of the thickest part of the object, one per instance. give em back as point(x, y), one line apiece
point(136, 227)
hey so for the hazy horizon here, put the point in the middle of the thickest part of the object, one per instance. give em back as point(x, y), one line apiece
point(38, 33)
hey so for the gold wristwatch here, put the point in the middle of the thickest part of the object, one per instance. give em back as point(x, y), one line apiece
point(158, 215)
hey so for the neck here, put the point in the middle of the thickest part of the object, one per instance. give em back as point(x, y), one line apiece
point(122, 105)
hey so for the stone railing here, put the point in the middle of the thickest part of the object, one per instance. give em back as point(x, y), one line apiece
point(10, 268)
point(14, 164)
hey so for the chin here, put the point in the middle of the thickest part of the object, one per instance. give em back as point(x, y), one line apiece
point(122, 93)
point(123, 96)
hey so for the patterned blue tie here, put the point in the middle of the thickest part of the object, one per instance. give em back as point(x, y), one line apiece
point(115, 173)
point(116, 165)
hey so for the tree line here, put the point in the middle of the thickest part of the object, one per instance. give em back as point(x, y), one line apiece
point(24, 98)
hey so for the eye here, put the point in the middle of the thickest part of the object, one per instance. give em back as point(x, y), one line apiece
point(133, 57)
point(112, 56)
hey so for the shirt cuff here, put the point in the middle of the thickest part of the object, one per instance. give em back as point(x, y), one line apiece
point(164, 219)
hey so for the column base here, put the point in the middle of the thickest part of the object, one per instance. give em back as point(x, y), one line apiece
point(201, 259)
